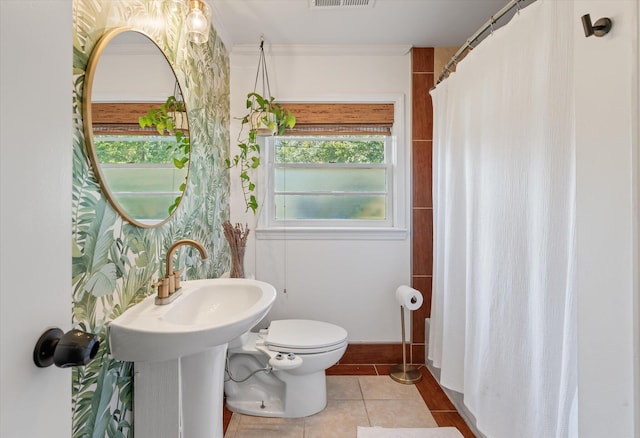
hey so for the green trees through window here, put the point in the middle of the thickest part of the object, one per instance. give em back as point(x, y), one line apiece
point(328, 150)
point(121, 149)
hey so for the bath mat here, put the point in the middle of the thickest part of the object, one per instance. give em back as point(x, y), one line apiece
point(431, 432)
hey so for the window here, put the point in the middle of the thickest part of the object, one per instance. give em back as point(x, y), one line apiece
point(340, 173)
point(330, 181)
point(141, 173)
point(141, 150)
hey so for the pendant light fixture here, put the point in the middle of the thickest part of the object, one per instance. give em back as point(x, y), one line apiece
point(198, 21)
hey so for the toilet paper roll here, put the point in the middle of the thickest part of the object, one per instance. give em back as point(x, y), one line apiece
point(409, 297)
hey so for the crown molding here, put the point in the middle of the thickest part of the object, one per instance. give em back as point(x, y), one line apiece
point(324, 50)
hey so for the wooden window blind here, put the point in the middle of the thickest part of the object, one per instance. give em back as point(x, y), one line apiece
point(121, 118)
point(311, 118)
point(341, 118)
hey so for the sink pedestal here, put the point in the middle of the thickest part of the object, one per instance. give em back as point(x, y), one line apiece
point(203, 393)
point(181, 397)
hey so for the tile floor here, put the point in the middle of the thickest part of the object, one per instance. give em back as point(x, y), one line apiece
point(358, 396)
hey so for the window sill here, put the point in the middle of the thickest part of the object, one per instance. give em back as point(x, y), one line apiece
point(308, 233)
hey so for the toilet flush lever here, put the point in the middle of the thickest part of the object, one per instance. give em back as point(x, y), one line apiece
point(599, 29)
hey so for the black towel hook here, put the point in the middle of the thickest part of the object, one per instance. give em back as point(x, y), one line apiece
point(600, 28)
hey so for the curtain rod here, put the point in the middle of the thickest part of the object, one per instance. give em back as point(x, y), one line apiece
point(468, 44)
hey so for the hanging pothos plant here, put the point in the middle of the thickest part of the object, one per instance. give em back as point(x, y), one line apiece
point(264, 116)
point(168, 119)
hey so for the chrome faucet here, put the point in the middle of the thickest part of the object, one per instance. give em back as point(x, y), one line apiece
point(168, 285)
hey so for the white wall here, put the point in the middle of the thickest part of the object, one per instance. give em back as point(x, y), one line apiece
point(35, 187)
point(606, 75)
point(347, 281)
point(121, 74)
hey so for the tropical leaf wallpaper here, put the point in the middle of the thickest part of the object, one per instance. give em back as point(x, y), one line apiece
point(115, 262)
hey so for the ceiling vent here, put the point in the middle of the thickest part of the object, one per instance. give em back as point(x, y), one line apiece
point(340, 4)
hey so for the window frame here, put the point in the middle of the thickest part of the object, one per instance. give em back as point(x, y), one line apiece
point(393, 228)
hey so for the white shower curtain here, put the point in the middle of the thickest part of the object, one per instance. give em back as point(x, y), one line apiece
point(503, 322)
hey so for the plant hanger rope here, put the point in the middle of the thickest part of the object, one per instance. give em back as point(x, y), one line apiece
point(262, 68)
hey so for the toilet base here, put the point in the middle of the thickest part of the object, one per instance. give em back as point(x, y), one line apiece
point(305, 395)
point(269, 408)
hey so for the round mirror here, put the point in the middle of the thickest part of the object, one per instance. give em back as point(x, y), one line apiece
point(136, 127)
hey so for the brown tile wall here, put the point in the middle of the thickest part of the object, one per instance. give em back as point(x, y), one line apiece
point(426, 66)
point(422, 73)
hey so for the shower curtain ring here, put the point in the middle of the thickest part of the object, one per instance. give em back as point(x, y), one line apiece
point(469, 44)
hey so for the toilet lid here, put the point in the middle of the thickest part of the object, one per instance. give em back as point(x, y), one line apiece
point(304, 336)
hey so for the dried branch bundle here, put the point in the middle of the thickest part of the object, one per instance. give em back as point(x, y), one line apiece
point(237, 238)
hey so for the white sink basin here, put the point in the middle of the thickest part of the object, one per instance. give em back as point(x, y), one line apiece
point(209, 313)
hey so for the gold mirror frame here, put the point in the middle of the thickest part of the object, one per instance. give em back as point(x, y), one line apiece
point(89, 126)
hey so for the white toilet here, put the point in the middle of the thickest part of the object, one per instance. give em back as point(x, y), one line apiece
point(280, 371)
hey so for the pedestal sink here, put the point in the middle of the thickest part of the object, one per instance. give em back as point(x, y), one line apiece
point(179, 352)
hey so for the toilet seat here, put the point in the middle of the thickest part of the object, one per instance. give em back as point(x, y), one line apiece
point(302, 336)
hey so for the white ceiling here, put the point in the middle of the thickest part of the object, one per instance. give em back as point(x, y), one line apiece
point(420, 23)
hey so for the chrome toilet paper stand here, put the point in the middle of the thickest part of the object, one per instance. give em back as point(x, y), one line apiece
point(403, 373)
